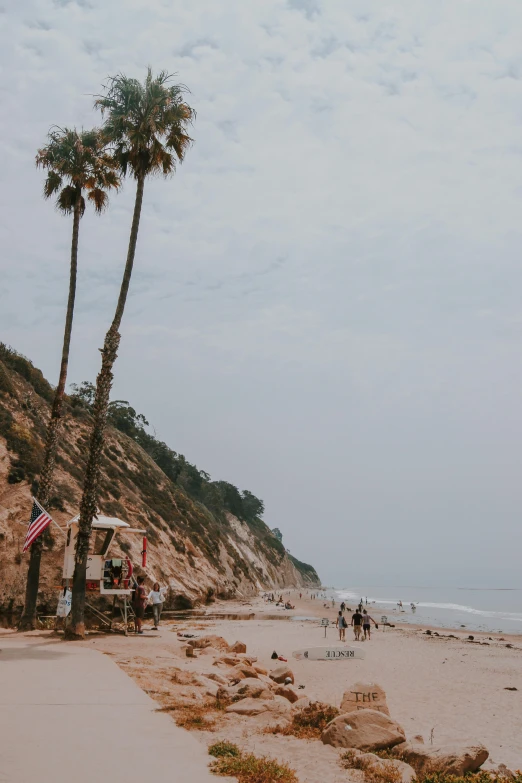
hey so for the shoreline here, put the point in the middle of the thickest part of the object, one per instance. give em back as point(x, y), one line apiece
point(317, 610)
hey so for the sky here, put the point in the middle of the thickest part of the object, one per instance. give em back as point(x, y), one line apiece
point(326, 305)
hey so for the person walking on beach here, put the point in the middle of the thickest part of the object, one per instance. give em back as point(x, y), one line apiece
point(357, 620)
point(139, 602)
point(341, 625)
point(366, 624)
point(157, 597)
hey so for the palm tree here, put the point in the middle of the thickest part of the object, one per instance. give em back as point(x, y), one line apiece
point(146, 124)
point(77, 162)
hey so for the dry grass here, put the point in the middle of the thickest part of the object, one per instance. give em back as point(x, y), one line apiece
point(388, 772)
point(198, 717)
point(309, 722)
point(373, 771)
point(246, 767)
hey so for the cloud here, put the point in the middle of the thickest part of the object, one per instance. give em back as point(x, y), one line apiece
point(332, 276)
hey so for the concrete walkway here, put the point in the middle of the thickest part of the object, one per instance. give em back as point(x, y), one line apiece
point(68, 714)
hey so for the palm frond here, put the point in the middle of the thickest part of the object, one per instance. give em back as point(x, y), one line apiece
point(66, 200)
point(53, 182)
point(99, 198)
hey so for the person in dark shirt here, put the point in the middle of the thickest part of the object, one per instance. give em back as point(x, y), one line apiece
point(357, 621)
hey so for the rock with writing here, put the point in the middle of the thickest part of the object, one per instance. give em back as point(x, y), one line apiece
point(448, 759)
point(364, 696)
point(363, 729)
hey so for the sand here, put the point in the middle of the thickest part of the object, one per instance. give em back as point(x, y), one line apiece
point(447, 688)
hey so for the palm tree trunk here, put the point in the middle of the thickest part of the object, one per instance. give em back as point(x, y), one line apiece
point(28, 619)
point(89, 503)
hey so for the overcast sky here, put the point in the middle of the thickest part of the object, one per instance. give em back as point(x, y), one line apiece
point(326, 306)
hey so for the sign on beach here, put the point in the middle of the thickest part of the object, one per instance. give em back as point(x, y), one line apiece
point(328, 653)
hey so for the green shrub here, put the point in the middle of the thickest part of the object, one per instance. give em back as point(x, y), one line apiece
point(248, 768)
point(224, 748)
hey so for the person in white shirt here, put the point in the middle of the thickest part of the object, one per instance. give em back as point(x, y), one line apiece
point(157, 597)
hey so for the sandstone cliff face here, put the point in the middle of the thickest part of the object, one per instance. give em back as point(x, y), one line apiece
point(198, 553)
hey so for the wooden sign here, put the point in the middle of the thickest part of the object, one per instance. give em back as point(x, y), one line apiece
point(325, 621)
point(328, 653)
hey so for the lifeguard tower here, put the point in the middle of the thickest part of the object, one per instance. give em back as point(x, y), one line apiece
point(105, 575)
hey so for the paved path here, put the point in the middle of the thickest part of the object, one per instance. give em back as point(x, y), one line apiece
point(70, 715)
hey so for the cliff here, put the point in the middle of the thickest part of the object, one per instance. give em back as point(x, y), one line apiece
point(201, 549)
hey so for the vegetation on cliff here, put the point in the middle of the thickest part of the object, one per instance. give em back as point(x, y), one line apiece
point(188, 517)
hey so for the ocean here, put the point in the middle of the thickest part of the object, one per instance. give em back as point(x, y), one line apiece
point(476, 609)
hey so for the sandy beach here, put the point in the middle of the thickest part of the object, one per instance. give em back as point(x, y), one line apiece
point(447, 689)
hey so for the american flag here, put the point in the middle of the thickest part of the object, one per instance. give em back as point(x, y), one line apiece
point(40, 519)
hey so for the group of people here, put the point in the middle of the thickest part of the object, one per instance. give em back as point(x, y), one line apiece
point(141, 599)
point(360, 622)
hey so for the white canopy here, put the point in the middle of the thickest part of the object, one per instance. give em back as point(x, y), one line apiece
point(101, 521)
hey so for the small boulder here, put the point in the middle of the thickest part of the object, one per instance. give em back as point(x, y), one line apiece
point(219, 678)
point(211, 687)
point(279, 705)
point(241, 672)
point(448, 759)
point(287, 692)
point(238, 647)
point(364, 696)
point(226, 660)
point(209, 641)
point(209, 651)
point(364, 730)
point(369, 763)
point(248, 707)
point(251, 688)
point(281, 673)
point(260, 669)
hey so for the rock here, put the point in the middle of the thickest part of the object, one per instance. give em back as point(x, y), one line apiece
point(189, 652)
point(242, 671)
point(279, 705)
point(238, 647)
point(219, 678)
point(264, 678)
point(250, 659)
point(248, 707)
point(251, 688)
point(280, 673)
point(226, 660)
point(369, 762)
point(448, 759)
point(211, 688)
point(364, 696)
point(287, 692)
point(209, 651)
point(260, 669)
point(209, 641)
point(363, 729)
point(418, 738)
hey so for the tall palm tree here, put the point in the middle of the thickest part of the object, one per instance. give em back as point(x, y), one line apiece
point(77, 163)
point(146, 124)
